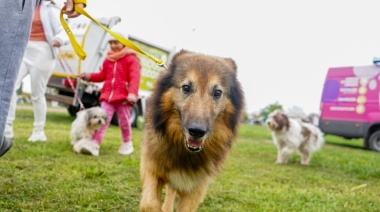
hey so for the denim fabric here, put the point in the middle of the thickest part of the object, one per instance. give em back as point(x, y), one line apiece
point(15, 21)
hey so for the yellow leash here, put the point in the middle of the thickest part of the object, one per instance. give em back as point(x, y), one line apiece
point(78, 49)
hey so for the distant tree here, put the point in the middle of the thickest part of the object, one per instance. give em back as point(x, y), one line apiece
point(268, 109)
point(245, 117)
point(297, 112)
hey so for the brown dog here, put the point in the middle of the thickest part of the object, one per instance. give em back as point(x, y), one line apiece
point(190, 125)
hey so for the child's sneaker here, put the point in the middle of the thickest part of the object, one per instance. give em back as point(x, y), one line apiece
point(126, 148)
point(8, 132)
point(87, 147)
point(37, 135)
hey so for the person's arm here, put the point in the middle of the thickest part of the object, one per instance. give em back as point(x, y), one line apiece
point(60, 37)
point(134, 80)
point(70, 10)
point(94, 77)
point(84, 76)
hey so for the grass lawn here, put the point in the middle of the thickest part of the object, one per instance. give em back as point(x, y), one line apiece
point(49, 176)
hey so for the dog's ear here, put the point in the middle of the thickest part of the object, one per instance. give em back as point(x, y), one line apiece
point(180, 55)
point(88, 115)
point(231, 64)
point(177, 58)
point(286, 121)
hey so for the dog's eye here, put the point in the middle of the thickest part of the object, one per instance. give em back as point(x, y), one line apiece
point(217, 94)
point(186, 89)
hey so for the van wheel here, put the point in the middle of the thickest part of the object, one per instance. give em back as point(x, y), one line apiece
point(134, 115)
point(72, 110)
point(374, 141)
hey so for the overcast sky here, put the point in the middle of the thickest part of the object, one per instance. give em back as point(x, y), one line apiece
point(283, 49)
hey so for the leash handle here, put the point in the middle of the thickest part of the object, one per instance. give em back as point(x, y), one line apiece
point(71, 83)
point(82, 54)
point(80, 1)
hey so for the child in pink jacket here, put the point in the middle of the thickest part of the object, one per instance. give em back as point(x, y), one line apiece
point(121, 76)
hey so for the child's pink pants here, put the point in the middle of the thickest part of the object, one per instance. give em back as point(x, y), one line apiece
point(123, 112)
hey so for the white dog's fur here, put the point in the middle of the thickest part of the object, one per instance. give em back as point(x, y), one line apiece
point(86, 124)
point(291, 135)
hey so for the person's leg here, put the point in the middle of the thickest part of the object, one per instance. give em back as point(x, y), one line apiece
point(42, 65)
point(15, 21)
point(13, 104)
point(123, 114)
point(110, 110)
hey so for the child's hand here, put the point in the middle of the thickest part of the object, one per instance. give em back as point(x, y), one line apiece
point(84, 76)
point(131, 99)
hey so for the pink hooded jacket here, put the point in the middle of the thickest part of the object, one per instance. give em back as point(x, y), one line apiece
point(120, 78)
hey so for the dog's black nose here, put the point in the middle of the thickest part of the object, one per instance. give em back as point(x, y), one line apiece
point(99, 121)
point(197, 130)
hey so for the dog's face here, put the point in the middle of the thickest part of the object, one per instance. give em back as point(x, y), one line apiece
point(95, 117)
point(201, 90)
point(277, 121)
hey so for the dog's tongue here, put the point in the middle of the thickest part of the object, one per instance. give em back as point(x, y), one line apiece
point(194, 143)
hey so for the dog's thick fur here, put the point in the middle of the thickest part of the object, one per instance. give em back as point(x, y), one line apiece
point(86, 123)
point(291, 135)
point(190, 125)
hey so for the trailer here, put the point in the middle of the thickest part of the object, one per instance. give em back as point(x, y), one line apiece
point(68, 90)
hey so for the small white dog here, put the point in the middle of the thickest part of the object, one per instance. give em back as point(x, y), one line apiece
point(85, 125)
point(291, 135)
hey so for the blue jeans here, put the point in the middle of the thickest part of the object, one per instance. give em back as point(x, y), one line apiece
point(15, 21)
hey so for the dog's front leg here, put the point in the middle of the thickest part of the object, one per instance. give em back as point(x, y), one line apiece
point(151, 193)
point(283, 154)
point(279, 156)
point(169, 199)
point(74, 139)
point(189, 202)
point(305, 157)
point(74, 135)
point(88, 133)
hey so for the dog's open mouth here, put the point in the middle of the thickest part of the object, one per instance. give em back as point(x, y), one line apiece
point(194, 145)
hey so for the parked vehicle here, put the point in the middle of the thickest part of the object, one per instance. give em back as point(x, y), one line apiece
point(350, 104)
point(94, 42)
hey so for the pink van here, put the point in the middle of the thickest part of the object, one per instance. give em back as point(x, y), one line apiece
point(350, 104)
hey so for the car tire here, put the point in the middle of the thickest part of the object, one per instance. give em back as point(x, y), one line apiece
point(72, 110)
point(135, 111)
point(374, 141)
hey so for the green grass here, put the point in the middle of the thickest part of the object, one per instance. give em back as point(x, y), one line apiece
point(51, 177)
